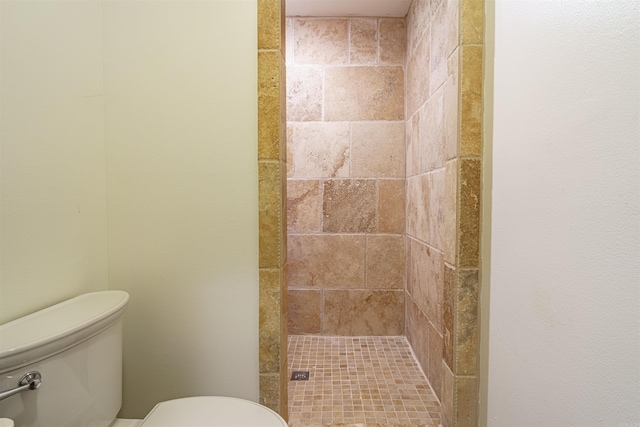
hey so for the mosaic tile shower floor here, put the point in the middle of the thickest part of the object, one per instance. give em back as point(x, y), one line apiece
point(358, 381)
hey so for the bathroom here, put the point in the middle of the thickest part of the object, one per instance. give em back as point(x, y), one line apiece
point(114, 164)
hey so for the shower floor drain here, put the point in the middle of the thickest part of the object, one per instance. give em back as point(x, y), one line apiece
point(300, 376)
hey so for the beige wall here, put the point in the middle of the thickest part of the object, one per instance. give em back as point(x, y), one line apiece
point(52, 202)
point(345, 113)
point(181, 145)
point(176, 123)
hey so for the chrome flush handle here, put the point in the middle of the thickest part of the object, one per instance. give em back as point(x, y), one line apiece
point(29, 381)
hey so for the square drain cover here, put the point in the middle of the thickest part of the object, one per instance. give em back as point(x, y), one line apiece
point(300, 376)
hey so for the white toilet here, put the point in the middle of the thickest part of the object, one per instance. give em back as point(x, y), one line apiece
point(67, 360)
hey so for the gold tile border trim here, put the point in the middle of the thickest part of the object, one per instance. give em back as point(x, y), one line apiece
point(272, 206)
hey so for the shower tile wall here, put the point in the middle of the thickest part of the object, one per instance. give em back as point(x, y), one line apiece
point(444, 147)
point(346, 176)
point(432, 120)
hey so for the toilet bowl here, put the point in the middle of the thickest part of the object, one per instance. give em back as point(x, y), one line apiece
point(75, 348)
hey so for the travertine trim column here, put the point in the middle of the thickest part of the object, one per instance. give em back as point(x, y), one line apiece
point(272, 205)
point(460, 382)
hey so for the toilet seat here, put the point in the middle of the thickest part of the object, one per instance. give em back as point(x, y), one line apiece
point(211, 411)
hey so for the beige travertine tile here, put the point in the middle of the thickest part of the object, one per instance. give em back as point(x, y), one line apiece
point(418, 206)
point(363, 312)
point(413, 145)
point(304, 206)
point(363, 47)
point(439, 46)
point(472, 22)
point(391, 203)
point(270, 215)
point(289, 42)
point(466, 398)
point(448, 397)
point(451, 10)
point(417, 79)
point(270, 24)
point(466, 334)
point(270, 391)
point(434, 369)
point(305, 307)
point(289, 150)
point(377, 149)
point(304, 94)
point(364, 93)
point(469, 213)
point(450, 212)
point(471, 106)
point(426, 281)
point(385, 265)
point(436, 207)
point(418, 273)
point(451, 108)
point(270, 302)
point(432, 137)
point(450, 283)
point(269, 105)
point(419, 17)
point(392, 44)
point(320, 150)
point(326, 261)
point(349, 206)
point(321, 41)
point(417, 332)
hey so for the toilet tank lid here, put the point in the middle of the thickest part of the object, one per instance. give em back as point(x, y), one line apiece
point(212, 411)
point(60, 326)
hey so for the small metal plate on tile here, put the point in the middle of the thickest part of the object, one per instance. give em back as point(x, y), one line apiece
point(300, 376)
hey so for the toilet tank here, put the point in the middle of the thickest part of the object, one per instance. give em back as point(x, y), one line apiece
point(77, 348)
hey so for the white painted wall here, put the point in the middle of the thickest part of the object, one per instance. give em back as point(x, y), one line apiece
point(181, 144)
point(53, 226)
point(564, 344)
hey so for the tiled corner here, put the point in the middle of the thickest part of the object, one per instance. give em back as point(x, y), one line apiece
point(385, 264)
point(432, 133)
point(363, 312)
